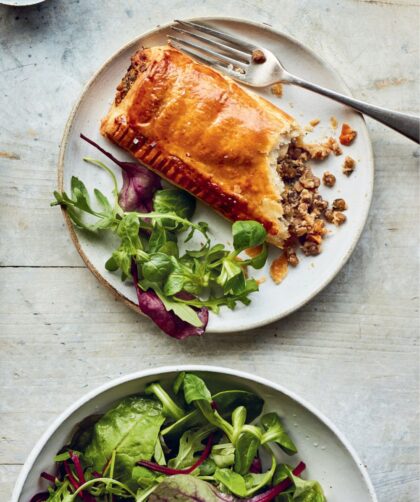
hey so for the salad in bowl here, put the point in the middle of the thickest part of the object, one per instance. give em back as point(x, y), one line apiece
point(192, 434)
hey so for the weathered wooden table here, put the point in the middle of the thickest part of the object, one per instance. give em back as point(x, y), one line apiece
point(352, 351)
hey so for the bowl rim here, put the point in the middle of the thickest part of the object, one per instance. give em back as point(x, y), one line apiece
point(17, 3)
point(161, 370)
point(240, 326)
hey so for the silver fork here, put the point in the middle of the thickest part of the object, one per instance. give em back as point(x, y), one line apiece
point(258, 67)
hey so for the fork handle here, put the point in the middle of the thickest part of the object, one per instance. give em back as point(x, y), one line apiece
point(408, 125)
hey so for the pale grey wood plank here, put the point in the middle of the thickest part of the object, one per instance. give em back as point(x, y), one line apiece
point(352, 351)
point(349, 373)
point(8, 474)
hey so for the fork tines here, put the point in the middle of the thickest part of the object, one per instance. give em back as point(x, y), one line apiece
point(216, 49)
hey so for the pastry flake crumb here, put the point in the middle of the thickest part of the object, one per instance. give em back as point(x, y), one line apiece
point(277, 90)
point(347, 135)
point(349, 165)
point(319, 151)
point(334, 146)
point(261, 280)
point(314, 122)
point(279, 268)
point(333, 122)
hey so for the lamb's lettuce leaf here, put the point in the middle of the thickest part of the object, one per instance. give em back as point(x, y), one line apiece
point(274, 432)
point(306, 491)
point(246, 450)
point(247, 234)
point(233, 481)
point(170, 407)
point(223, 455)
point(195, 389)
point(191, 442)
point(173, 200)
point(226, 402)
point(61, 492)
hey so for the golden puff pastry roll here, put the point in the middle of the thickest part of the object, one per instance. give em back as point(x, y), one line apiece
point(204, 133)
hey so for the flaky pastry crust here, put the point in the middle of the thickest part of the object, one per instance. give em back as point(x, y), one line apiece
point(204, 133)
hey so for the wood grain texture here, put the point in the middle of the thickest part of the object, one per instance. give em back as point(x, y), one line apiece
point(352, 351)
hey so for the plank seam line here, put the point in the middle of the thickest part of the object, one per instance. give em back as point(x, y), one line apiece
point(42, 266)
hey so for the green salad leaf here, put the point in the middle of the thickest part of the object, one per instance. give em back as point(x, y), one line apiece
point(210, 413)
point(209, 277)
point(170, 407)
point(223, 454)
point(173, 200)
point(306, 491)
point(256, 481)
point(145, 478)
point(159, 454)
point(82, 435)
point(226, 402)
point(62, 493)
point(190, 443)
point(247, 234)
point(176, 387)
point(130, 430)
point(180, 443)
point(233, 481)
point(246, 450)
point(195, 389)
point(281, 473)
point(157, 267)
point(182, 310)
point(274, 432)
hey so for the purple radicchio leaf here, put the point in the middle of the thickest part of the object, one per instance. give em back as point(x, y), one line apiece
point(184, 487)
point(139, 184)
point(151, 305)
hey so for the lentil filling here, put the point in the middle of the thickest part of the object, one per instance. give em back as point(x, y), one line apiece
point(304, 208)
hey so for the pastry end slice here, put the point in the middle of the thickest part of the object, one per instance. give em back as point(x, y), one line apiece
point(204, 133)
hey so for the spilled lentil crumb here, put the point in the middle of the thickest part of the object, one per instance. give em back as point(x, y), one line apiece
point(339, 205)
point(328, 179)
point(349, 165)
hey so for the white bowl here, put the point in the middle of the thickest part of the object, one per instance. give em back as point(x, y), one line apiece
point(329, 457)
point(20, 3)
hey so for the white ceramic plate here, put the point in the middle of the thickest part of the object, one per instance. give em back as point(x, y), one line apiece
point(313, 274)
point(328, 456)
